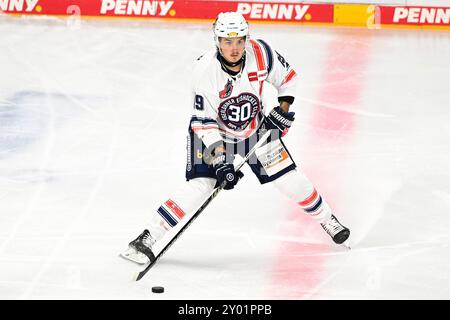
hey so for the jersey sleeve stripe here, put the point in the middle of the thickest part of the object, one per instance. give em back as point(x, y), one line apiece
point(289, 76)
point(203, 124)
point(204, 128)
point(202, 120)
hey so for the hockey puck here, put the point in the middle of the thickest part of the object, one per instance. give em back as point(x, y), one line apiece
point(157, 289)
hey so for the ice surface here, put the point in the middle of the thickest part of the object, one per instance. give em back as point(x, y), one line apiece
point(93, 117)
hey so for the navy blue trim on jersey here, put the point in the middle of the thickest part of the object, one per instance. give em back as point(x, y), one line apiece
point(197, 168)
point(166, 216)
point(268, 55)
point(317, 205)
point(203, 120)
point(257, 166)
point(263, 179)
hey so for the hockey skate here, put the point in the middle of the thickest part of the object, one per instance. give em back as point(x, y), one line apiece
point(140, 249)
point(336, 230)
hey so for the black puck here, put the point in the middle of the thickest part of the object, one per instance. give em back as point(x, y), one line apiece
point(157, 289)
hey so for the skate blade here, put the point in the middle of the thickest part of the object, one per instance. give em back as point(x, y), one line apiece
point(135, 276)
point(134, 256)
point(346, 245)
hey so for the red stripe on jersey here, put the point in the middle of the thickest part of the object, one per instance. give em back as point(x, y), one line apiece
point(261, 83)
point(241, 135)
point(195, 129)
point(253, 124)
point(289, 76)
point(259, 61)
point(258, 55)
point(308, 201)
point(175, 208)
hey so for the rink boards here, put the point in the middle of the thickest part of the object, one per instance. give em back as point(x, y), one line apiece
point(361, 15)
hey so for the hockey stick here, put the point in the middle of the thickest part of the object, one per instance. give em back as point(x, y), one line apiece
point(203, 206)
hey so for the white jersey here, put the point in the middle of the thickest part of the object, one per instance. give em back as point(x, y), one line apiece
point(230, 108)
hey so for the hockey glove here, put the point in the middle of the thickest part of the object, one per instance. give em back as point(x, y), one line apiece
point(280, 120)
point(226, 176)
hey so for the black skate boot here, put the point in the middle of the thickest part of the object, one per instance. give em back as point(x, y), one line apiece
point(336, 230)
point(140, 249)
point(143, 244)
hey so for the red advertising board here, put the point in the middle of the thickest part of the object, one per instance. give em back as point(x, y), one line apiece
point(297, 12)
point(263, 11)
point(418, 16)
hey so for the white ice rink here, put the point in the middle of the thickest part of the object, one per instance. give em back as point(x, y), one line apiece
point(93, 118)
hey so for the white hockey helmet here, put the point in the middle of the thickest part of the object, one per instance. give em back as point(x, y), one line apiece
point(230, 25)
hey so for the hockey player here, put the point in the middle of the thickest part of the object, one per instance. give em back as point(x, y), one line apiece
point(227, 118)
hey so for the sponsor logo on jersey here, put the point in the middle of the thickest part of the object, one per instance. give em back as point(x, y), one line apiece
point(422, 15)
point(238, 112)
point(226, 92)
point(136, 7)
point(18, 5)
point(274, 157)
point(273, 11)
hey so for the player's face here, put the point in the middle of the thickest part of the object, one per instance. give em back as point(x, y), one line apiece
point(232, 48)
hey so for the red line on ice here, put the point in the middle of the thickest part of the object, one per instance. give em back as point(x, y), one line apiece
point(301, 266)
